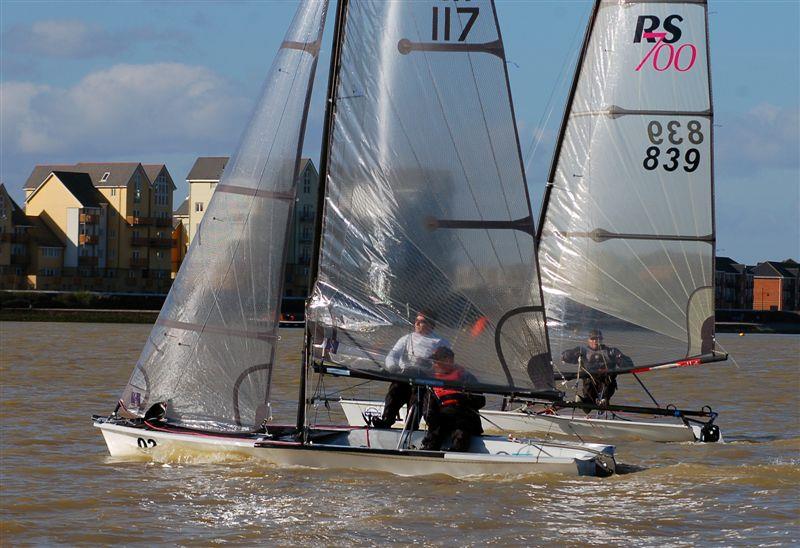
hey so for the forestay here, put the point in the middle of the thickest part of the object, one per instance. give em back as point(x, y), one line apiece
point(426, 205)
point(627, 240)
point(210, 354)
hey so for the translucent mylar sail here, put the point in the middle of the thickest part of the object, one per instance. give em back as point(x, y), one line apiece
point(210, 354)
point(426, 205)
point(627, 243)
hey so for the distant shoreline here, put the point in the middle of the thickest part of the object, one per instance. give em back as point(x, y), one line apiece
point(98, 315)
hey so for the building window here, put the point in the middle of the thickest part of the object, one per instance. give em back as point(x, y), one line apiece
point(131, 274)
point(111, 253)
point(112, 233)
point(198, 206)
point(306, 184)
point(113, 191)
point(137, 188)
point(105, 176)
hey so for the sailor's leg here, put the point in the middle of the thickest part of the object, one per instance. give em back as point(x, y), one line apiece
point(397, 396)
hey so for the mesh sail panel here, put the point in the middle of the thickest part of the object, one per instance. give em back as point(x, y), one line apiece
point(210, 353)
point(627, 243)
point(426, 205)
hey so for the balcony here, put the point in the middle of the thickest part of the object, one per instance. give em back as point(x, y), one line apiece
point(87, 261)
point(88, 239)
point(137, 221)
point(139, 262)
point(138, 241)
point(13, 238)
point(158, 221)
point(160, 242)
point(89, 218)
point(20, 260)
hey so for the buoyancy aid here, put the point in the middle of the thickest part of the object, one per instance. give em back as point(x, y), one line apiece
point(449, 396)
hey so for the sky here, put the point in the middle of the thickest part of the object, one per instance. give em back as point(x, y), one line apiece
point(166, 82)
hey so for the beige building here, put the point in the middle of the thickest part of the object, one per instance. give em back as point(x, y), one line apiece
point(127, 245)
point(203, 179)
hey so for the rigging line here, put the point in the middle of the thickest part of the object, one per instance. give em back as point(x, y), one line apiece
point(440, 103)
point(491, 144)
point(544, 119)
point(194, 351)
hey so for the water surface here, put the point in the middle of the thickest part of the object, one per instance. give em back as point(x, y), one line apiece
point(60, 486)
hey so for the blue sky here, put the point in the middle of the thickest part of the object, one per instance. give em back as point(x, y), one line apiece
point(169, 81)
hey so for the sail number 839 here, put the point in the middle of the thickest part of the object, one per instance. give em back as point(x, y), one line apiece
point(675, 135)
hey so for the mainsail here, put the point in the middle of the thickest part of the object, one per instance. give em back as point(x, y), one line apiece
point(210, 354)
point(626, 241)
point(426, 206)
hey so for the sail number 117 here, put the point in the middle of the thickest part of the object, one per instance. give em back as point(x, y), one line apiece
point(676, 135)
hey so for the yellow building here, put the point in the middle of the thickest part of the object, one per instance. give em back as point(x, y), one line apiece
point(202, 179)
point(28, 248)
point(134, 238)
point(180, 235)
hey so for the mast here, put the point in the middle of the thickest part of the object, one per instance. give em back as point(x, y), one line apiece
point(564, 120)
point(330, 108)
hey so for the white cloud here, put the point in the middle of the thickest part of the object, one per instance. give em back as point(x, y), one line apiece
point(767, 137)
point(137, 109)
point(61, 38)
point(75, 39)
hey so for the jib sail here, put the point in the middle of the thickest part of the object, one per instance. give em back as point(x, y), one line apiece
point(210, 354)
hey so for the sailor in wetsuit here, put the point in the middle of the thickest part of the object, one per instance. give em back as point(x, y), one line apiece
point(598, 361)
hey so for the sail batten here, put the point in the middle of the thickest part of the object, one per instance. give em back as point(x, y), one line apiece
point(426, 208)
point(626, 238)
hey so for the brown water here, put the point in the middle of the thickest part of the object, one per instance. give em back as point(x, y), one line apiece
point(60, 487)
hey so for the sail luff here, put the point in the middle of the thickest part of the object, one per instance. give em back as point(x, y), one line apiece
point(330, 111)
point(565, 120)
point(524, 174)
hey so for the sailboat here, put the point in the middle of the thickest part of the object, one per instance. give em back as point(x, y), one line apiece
point(626, 232)
point(423, 205)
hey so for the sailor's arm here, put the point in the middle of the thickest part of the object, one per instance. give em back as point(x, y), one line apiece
point(395, 355)
point(572, 355)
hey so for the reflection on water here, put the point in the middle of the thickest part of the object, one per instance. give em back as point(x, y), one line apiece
point(60, 486)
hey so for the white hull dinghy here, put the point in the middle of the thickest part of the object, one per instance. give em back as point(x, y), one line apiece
point(571, 424)
point(422, 203)
point(367, 449)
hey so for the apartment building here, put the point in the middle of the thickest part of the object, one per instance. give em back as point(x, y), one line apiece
point(180, 235)
point(733, 284)
point(301, 238)
point(126, 245)
point(203, 179)
point(26, 245)
point(775, 285)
